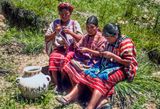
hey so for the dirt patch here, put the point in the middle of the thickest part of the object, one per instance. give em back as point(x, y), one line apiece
point(22, 61)
point(150, 106)
point(157, 1)
point(2, 24)
point(13, 48)
point(11, 54)
point(4, 84)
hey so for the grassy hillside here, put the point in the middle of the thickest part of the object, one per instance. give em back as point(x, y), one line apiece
point(139, 20)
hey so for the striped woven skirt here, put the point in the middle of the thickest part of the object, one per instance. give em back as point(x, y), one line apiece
point(106, 87)
point(58, 58)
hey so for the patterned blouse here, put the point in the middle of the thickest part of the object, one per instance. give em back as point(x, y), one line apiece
point(72, 25)
point(124, 47)
point(96, 42)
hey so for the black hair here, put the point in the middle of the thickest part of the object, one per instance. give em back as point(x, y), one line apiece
point(92, 20)
point(111, 29)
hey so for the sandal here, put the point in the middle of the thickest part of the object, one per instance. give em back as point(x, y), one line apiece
point(105, 106)
point(62, 100)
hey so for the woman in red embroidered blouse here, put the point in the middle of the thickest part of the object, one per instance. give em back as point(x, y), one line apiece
point(81, 61)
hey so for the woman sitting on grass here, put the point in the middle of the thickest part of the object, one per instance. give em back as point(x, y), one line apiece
point(81, 61)
point(61, 34)
point(118, 63)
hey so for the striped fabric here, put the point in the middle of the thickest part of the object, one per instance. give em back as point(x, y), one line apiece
point(79, 77)
point(102, 69)
point(56, 59)
point(96, 42)
point(57, 52)
point(124, 48)
point(93, 42)
point(104, 86)
point(128, 52)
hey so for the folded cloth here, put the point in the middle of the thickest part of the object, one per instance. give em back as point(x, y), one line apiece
point(102, 71)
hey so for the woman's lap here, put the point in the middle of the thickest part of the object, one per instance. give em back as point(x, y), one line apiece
point(72, 72)
point(105, 87)
point(56, 60)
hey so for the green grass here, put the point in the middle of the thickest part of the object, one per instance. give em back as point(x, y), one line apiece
point(132, 11)
point(31, 41)
point(144, 88)
point(44, 8)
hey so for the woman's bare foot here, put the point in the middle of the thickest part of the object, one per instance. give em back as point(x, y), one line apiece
point(102, 103)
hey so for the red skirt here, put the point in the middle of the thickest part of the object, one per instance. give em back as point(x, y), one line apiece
point(58, 58)
point(105, 87)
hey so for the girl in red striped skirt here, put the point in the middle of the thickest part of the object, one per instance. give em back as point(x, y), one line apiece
point(117, 63)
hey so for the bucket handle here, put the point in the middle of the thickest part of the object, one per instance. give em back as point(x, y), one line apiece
point(48, 78)
point(18, 80)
